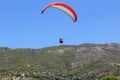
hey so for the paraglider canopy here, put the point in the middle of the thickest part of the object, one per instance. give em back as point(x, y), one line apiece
point(64, 7)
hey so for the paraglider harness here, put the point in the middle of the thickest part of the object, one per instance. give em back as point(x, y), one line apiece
point(61, 41)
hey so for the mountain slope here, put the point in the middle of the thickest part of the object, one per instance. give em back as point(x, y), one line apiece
point(67, 61)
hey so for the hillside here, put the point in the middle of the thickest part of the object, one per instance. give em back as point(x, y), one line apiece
point(77, 62)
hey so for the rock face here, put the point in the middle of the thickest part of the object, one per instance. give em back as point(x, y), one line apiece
point(87, 53)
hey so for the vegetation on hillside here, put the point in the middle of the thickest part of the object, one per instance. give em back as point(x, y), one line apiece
point(83, 62)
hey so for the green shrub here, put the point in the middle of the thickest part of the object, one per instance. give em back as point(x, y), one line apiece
point(109, 78)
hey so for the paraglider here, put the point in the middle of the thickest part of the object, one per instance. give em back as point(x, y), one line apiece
point(61, 40)
point(64, 7)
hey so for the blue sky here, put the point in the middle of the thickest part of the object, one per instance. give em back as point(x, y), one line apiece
point(22, 25)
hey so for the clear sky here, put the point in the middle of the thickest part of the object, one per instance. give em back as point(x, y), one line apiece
point(22, 25)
